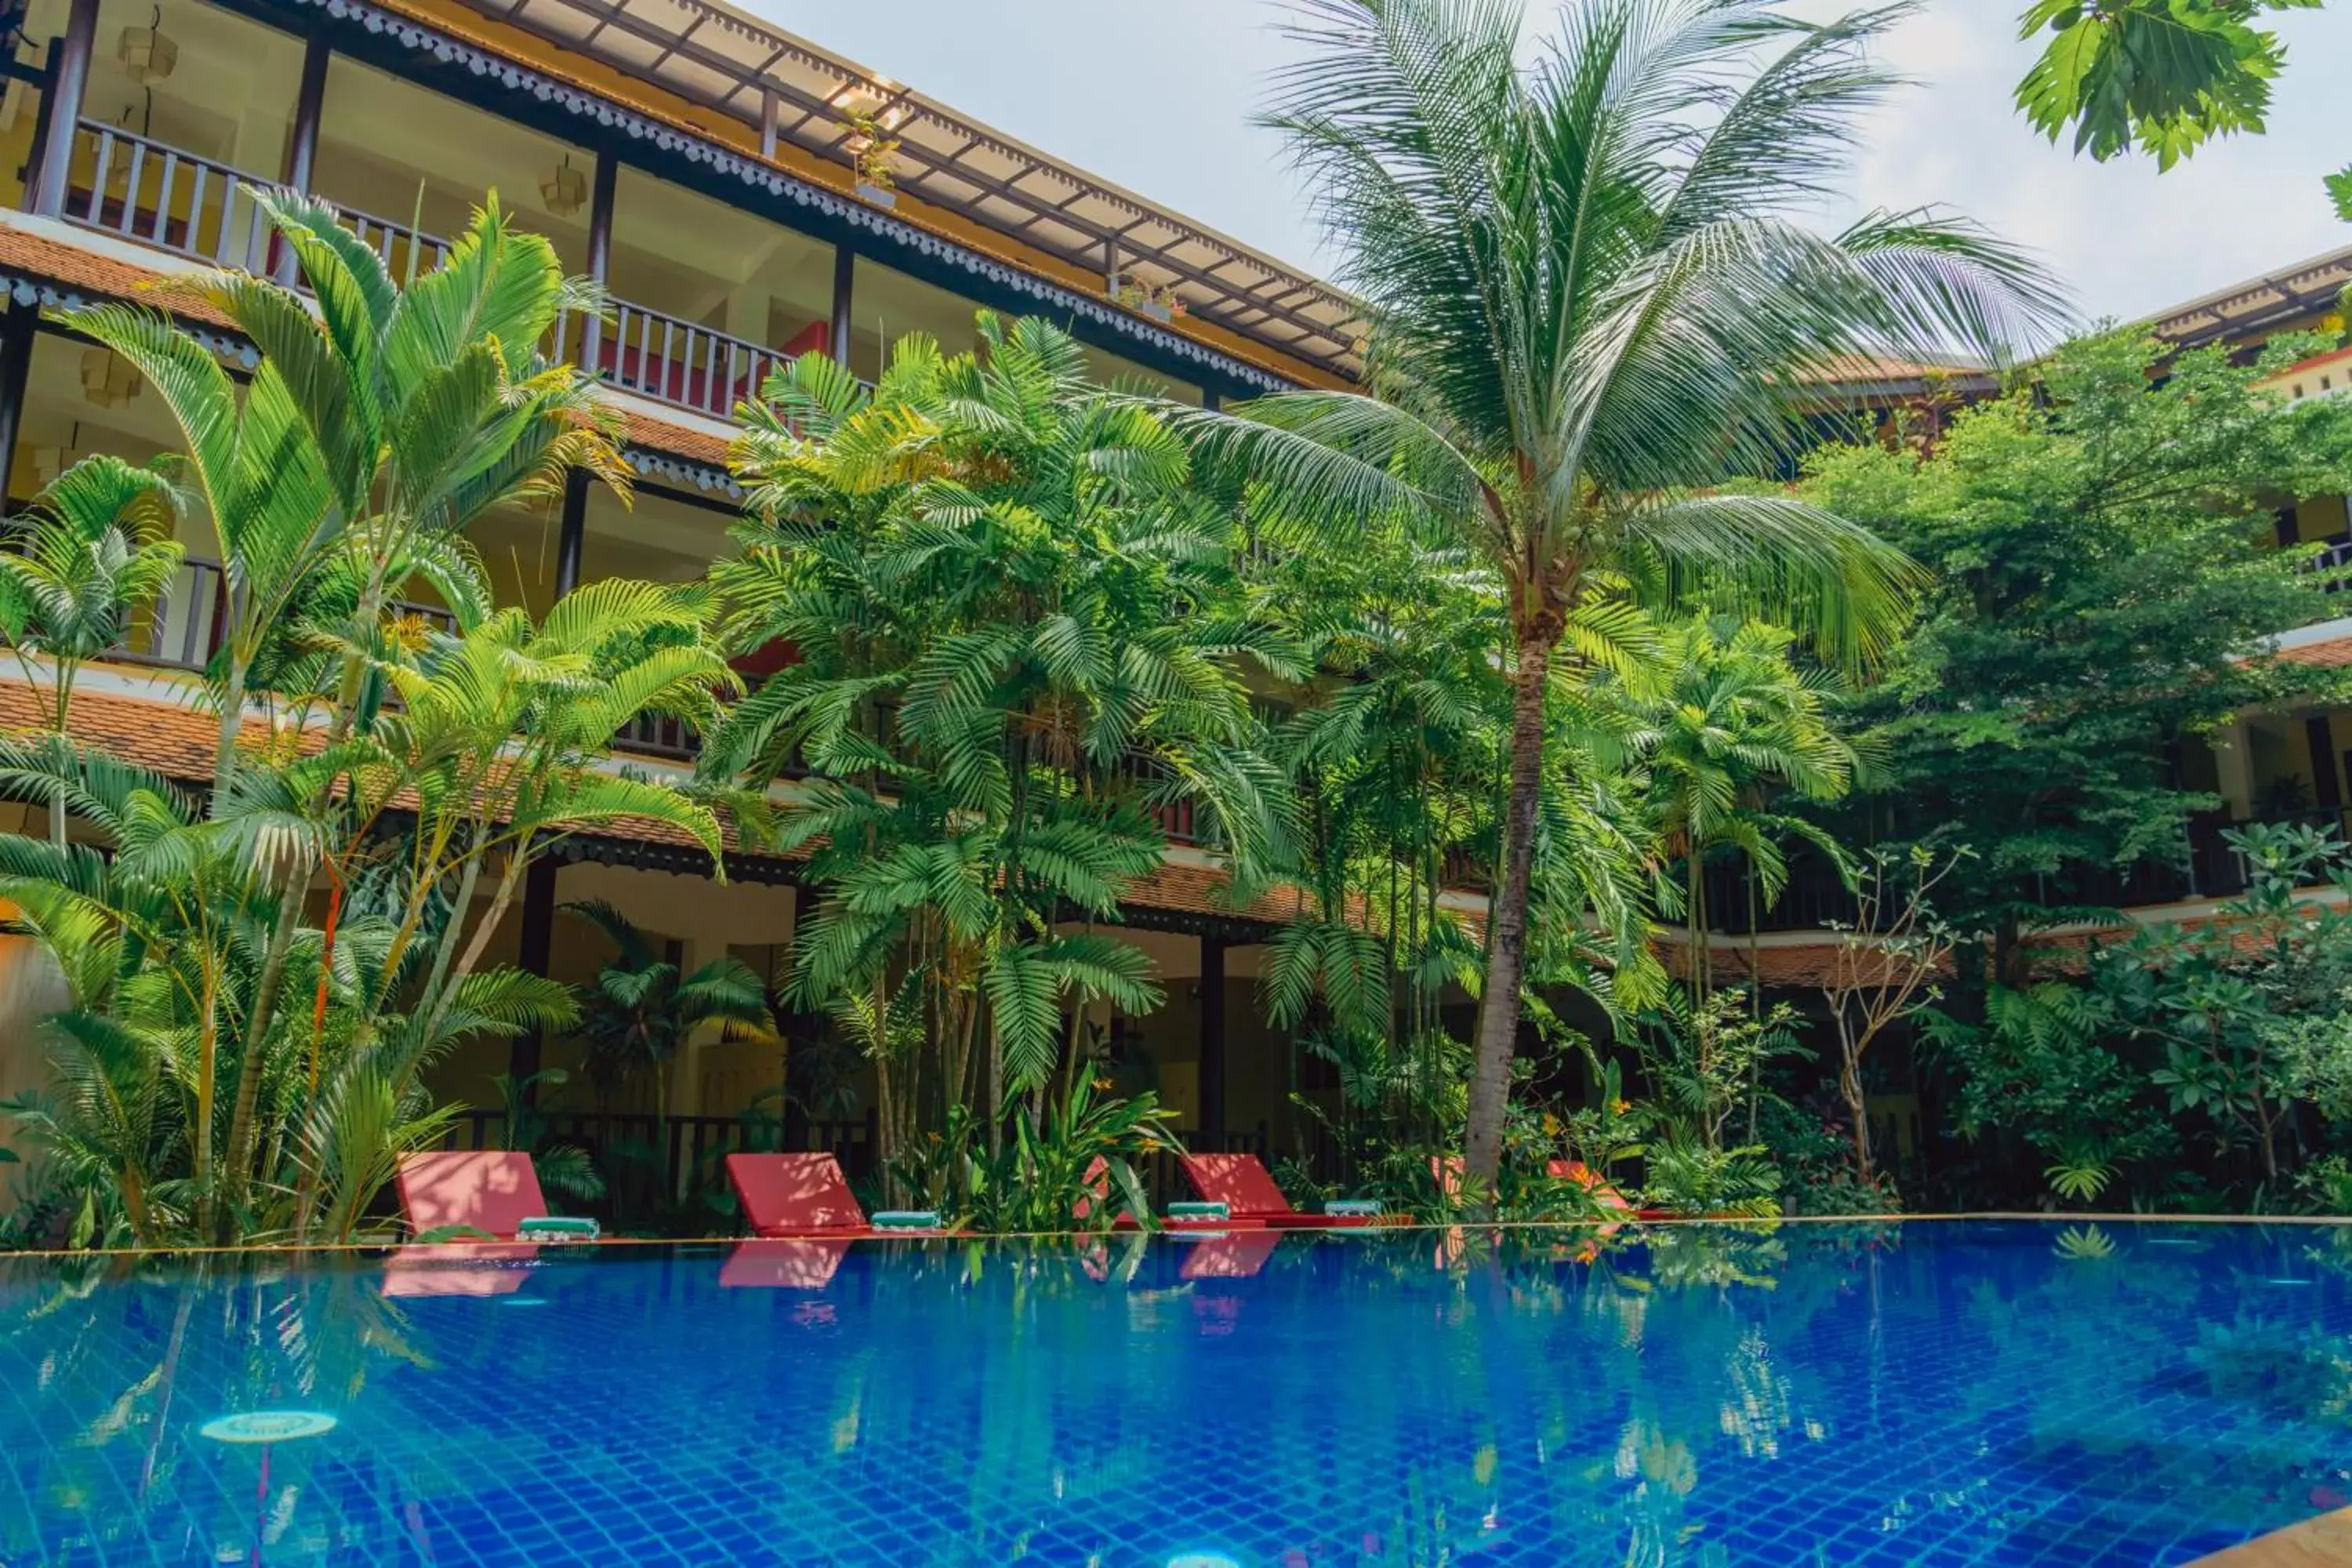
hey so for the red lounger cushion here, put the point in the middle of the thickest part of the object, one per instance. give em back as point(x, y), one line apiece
point(490, 1190)
point(794, 1194)
point(1242, 1184)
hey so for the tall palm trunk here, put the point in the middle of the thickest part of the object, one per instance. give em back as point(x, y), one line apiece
point(63, 727)
point(1506, 927)
point(1696, 957)
point(237, 1164)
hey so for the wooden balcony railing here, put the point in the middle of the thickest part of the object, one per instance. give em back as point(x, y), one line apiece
point(668, 359)
point(158, 194)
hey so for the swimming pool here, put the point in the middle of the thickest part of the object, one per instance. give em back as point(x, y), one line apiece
point(1934, 1392)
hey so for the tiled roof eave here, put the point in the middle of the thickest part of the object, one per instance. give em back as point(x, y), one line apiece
point(166, 734)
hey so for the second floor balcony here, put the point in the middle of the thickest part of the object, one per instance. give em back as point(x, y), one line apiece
point(148, 190)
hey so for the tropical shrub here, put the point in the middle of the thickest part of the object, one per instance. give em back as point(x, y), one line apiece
point(259, 976)
point(1019, 637)
point(1591, 302)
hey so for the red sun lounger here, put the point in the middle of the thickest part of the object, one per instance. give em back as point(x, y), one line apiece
point(1251, 1198)
point(806, 1196)
point(494, 1190)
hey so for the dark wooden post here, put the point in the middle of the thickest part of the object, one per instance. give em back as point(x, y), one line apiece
point(536, 954)
point(18, 326)
point(1213, 1043)
point(302, 145)
point(845, 279)
point(539, 882)
point(309, 99)
point(61, 111)
point(573, 538)
point(2326, 789)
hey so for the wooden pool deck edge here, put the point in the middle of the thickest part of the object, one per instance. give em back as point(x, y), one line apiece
point(2324, 1542)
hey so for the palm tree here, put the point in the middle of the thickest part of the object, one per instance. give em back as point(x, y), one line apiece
point(96, 546)
point(1019, 634)
point(375, 429)
point(163, 927)
point(644, 1008)
point(1725, 718)
point(1588, 300)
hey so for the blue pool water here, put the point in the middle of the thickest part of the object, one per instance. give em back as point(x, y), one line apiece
point(1929, 1393)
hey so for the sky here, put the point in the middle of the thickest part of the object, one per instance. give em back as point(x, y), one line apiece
point(1157, 98)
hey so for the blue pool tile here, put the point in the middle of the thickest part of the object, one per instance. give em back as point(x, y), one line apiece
point(1933, 1394)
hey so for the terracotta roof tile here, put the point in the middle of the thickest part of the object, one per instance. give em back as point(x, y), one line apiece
point(170, 734)
point(2334, 654)
point(694, 445)
point(103, 276)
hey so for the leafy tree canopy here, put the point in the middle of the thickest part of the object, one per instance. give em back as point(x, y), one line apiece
point(2102, 564)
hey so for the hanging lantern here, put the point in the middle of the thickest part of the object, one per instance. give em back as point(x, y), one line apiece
point(566, 192)
point(47, 462)
point(148, 53)
point(107, 379)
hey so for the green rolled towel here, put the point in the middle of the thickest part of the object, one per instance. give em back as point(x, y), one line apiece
point(907, 1219)
point(1358, 1209)
point(1200, 1211)
point(557, 1228)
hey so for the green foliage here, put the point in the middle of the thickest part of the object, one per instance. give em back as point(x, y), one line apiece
point(235, 1063)
point(642, 1009)
point(1076, 1168)
point(2102, 562)
point(2230, 1034)
point(1703, 1058)
point(1584, 313)
point(1022, 638)
point(2167, 75)
point(1691, 1179)
point(1721, 715)
point(2045, 1066)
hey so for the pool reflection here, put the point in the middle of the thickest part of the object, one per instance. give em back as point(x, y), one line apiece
point(1683, 1396)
